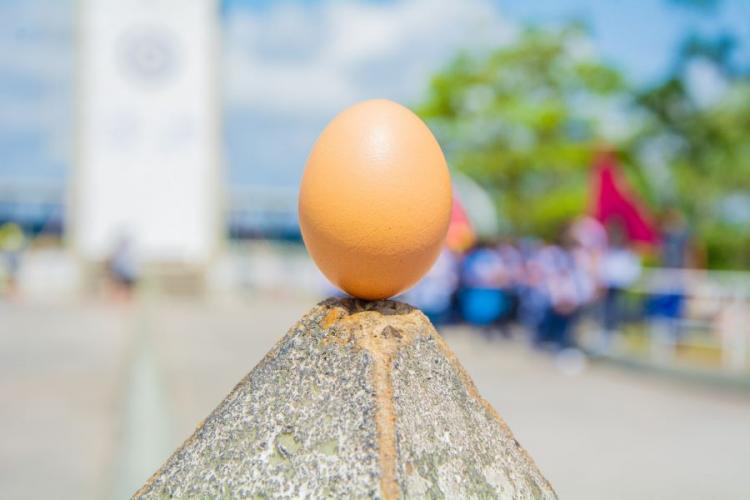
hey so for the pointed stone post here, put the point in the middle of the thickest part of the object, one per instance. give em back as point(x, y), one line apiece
point(358, 399)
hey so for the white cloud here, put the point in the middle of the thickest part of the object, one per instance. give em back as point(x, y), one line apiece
point(705, 82)
point(300, 59)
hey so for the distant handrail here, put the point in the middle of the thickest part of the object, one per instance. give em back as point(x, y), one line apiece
point(725, 313)
point(703, 283)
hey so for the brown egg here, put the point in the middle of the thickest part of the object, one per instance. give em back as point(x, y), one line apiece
point(375, 200)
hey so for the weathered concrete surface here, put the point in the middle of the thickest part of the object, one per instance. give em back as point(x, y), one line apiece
point(358, 399)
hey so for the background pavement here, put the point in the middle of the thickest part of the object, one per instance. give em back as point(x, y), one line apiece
point(94, 396)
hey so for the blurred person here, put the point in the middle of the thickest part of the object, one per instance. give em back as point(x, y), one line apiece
point(12, 244)
point(122, 268)
point(589, 233)
point(434, 294)
point(587, 240)
point(587, 243)
point(676, 240)
point(619, 269)
point(532, 292)
point(514, 269)
point(566, 293)
point(665, 308)
point(675, 253)
point(481, 298)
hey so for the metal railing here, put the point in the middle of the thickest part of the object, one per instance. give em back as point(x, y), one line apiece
point(713, 316)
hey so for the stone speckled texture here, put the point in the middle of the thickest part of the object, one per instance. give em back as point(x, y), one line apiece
point(358, 399)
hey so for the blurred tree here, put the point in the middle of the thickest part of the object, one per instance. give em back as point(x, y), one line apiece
point(525, 119)
point(698, 127)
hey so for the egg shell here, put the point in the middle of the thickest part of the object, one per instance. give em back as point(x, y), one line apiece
point(375, 200)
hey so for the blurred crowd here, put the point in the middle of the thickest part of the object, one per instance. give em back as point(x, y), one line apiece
point(544, 288)
point(120, 269)
point(540, 289)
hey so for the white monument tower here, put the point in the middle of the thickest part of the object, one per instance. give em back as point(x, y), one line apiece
point(147, 164)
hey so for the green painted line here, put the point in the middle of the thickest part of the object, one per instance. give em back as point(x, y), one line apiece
point(146, 423)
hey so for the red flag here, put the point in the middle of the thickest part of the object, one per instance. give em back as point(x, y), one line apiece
point(612, 198)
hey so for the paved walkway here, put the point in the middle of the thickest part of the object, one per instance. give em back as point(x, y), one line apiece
point(94, 396)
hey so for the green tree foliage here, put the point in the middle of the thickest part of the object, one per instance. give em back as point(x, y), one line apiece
point(526, 119)
point(698, 124)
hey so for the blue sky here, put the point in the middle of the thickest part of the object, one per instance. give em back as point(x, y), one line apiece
point(281, 89)
point(289, 66)
point(639, 36)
